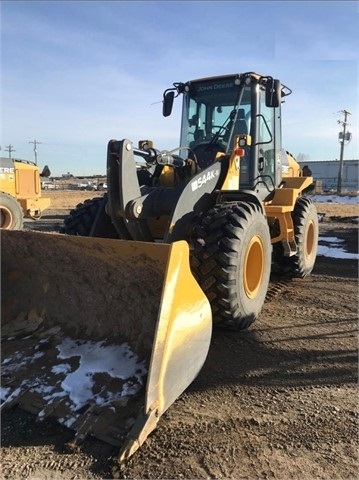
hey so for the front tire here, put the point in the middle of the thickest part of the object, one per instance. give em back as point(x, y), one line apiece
point(81, 220)
point(231, 261)
point(11, 214)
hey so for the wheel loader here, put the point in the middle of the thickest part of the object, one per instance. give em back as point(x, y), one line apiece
point(20, 192)
point(183, 240)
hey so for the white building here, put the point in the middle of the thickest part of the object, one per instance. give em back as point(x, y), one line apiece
point(326, 173)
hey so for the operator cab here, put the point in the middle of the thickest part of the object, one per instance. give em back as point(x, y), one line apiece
point(217, 109)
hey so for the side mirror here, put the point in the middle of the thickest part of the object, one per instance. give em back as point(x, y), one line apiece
point(168, 98)
point(273, 93)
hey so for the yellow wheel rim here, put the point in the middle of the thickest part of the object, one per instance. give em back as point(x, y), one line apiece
point(6, 217)
point(309, 243)
point(253, 267)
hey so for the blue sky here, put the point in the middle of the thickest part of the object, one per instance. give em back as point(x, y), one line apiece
point(76, 74)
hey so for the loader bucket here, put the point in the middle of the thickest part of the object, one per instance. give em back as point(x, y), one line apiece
point(103, 334)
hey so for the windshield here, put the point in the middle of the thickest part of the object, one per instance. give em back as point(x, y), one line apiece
point(215, 111)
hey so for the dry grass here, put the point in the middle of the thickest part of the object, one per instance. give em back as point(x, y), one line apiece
point(68, 199)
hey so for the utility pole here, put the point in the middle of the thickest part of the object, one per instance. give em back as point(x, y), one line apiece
point(36, 143)
point(10, 149)
point(343, 137)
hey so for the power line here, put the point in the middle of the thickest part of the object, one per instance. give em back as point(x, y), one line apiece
point(36, 143)
point(10, 149)
point(344, 137)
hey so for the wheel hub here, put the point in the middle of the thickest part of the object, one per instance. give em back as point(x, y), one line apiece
point(253, 267)
point(5, 217)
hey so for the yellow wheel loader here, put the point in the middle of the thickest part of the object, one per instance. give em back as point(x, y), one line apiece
point(182, 240)
point(20, 192)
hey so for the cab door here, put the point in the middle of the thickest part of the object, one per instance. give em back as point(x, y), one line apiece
point(269, 144)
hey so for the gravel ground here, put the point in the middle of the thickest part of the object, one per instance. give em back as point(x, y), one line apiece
point(277, 401)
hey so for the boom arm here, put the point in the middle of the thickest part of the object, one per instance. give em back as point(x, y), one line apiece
point(130, 208)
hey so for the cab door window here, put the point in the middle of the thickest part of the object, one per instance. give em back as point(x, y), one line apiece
point(267, 153)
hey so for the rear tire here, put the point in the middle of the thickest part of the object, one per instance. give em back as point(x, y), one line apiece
point(306, 230)
point(11, 214)
point(231, 261)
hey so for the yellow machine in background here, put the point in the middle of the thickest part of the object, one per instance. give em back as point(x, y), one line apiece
point(20, 192)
